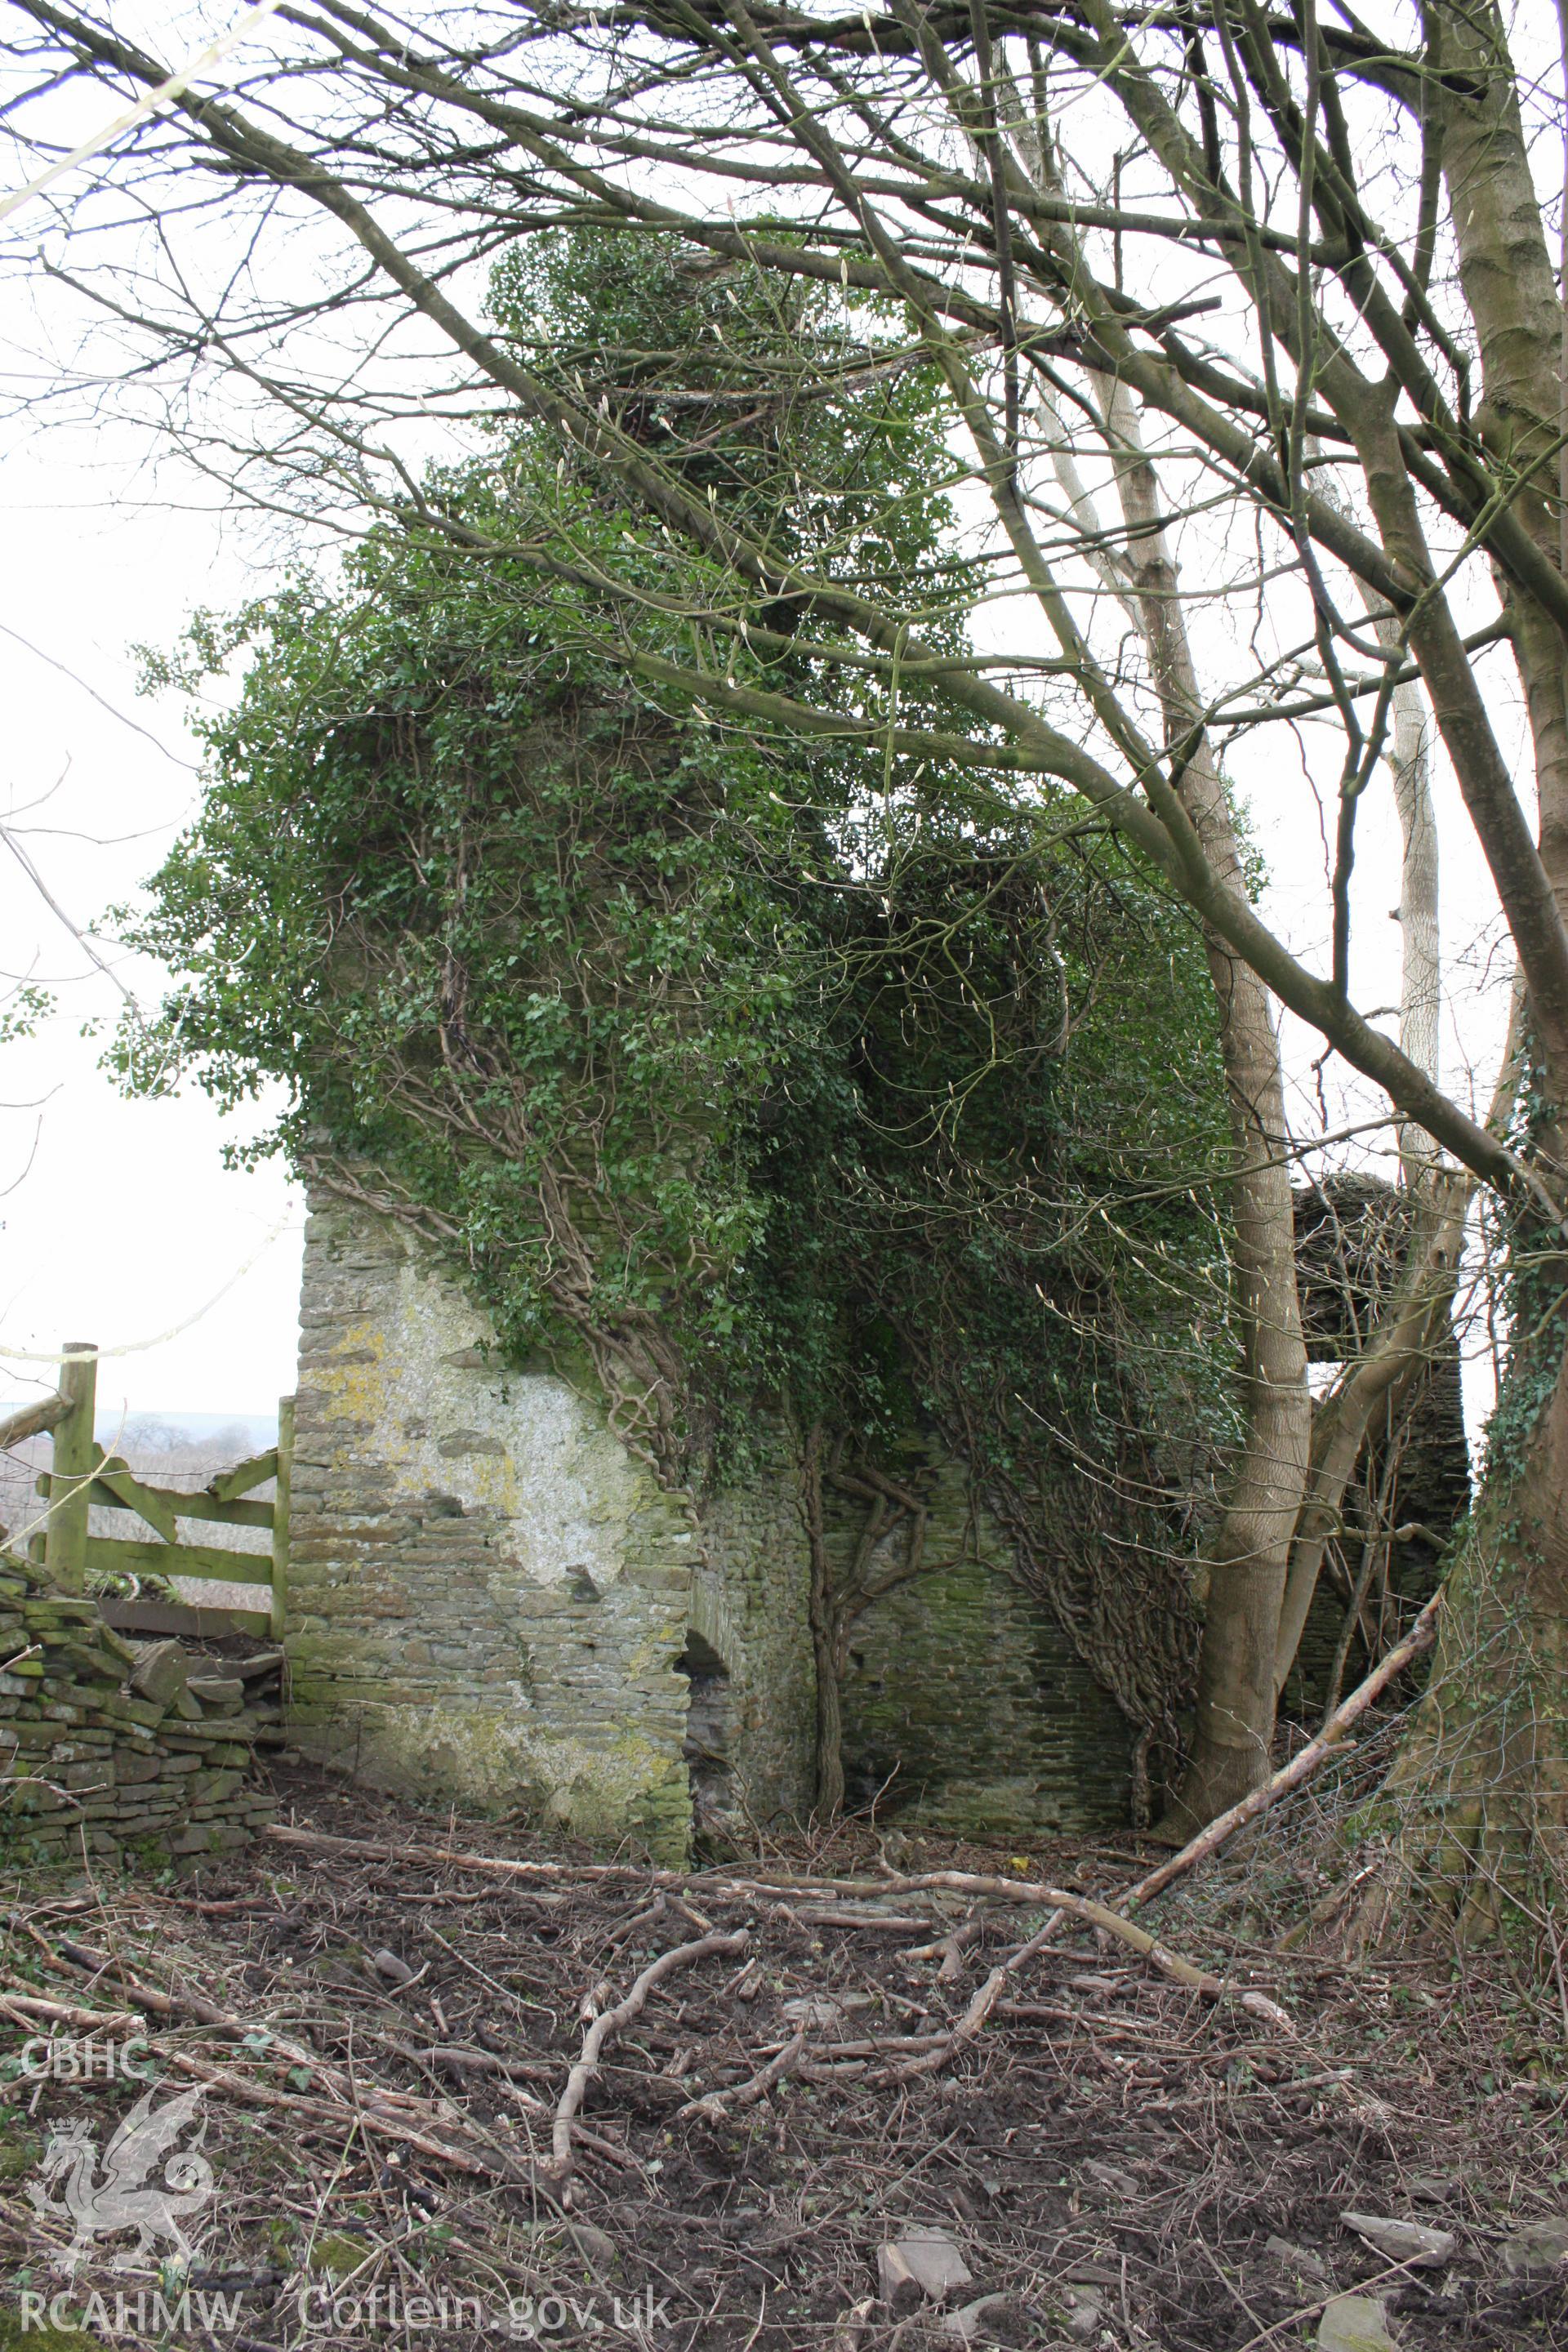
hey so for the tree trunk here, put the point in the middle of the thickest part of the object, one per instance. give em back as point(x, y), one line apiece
point(825, 1644)
point(1260, 1592)
point(1505, 267)
point(835, 1600)
point(1476, 1807)
point(1421, 973)
point(1247, 1565)
point(1416, 1318)
point(1248, 1561)
point(1404, 1343)
point(1477, 1798)
point(829, 1731)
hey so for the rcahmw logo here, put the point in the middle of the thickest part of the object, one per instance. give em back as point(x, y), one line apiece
point(145, 2313)
point(103, 2199)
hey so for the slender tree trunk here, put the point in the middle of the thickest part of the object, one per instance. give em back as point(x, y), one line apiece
point(1479, 1794)
point(1247, 1604)
point(1403, 1344)
point(1242, 1579)
point(1248, 1561)
point(1415, 1322)
point(1294, 1470)
point(1505, 265)
point(824, 1634)
point(1421, 973)
point(829, 1731)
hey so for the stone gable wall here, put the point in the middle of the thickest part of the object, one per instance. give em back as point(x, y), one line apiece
point(965, 1705)
point(489, 1596)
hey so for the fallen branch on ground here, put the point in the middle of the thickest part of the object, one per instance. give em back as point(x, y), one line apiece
point(1060, 1902)
point(451, 1858)
point(1076, 1906)
point(980, 2007)
point(1301, 1765)
point(955, 1882)
point(237, 2084)
point(23, 2006)
point(949, 1949)
point(716, 2106)
point(462, 2059)
point(603, 2029)
point(389, 2114)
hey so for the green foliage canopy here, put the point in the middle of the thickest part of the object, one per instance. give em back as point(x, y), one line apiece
point(770, 1074)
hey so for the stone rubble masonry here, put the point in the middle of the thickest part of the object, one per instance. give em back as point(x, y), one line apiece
point(492, 1601)
point(488, 1592)
point(89, 1765)
point(964, 1703)
point(748, 1599)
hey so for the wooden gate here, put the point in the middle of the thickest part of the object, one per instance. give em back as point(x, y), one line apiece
point(84, 1479)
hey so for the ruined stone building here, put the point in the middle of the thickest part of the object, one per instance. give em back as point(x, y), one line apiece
point(493, 1601)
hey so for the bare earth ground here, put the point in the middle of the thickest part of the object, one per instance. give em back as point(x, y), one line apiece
point(1111, 2154)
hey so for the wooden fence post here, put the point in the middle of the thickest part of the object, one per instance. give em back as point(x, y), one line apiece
point(281, 1498)
point(65, 1543)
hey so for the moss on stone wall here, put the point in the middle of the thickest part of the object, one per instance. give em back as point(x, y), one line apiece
point(965, 1705)
point(488, 1594)
point(750, 1603)
point(491, 1599)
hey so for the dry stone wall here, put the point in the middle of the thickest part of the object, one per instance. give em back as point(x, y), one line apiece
point(106, 1747)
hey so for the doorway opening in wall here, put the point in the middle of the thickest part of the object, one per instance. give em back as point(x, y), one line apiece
point(707, 1743)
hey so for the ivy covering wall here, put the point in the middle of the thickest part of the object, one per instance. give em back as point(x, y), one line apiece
point(770, 1076)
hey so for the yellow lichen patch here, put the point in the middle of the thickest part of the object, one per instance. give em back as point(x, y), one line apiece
point(356, 1389)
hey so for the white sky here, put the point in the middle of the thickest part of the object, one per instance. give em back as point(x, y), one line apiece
point(119, 1221)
